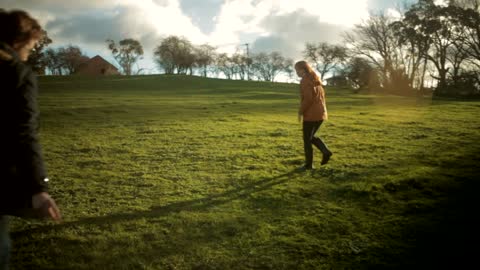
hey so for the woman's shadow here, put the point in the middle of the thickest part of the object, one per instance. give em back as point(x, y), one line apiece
point(200, 204)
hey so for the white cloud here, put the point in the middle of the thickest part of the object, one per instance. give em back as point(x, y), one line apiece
point(165, 17)
point(281, 24)
point(441, 2)
point(393, 13)
point(128, 17)
point(235, 17)
point(341, 12)
point(290, 32)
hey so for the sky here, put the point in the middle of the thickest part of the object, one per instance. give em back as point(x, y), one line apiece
point(265, 25)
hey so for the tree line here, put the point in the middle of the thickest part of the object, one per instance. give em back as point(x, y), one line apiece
point(398, 55)
point(61, 61)
point(177, 55)
point(440, 43)
point(437, 41)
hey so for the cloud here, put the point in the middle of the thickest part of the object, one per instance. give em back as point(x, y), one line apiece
point(385, 5)
point(235, 19)
point(114, 25)
point(290, 32)
point(88, 23)
point(59, 7)
point(109, 24)
point(282, 25)
point(93, 21)
point(202, 15)
point(300, 25)
point(275, 44)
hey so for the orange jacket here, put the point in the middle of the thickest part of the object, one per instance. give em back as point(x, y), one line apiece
point(313, 106)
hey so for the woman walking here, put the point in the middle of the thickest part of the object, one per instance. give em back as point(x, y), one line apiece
point(313, 110)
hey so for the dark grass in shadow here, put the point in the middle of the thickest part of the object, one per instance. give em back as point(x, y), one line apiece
point(52, 249)
point(443, 234)
point(201, 204)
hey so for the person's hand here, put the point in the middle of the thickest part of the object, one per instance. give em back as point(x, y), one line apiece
point(299, 117)
point(46, 206)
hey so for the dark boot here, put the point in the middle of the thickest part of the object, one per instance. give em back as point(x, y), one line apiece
point(323, 148)
point(308, 159)
point(326, 157)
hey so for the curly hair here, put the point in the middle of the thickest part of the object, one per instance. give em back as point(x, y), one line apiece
point(18, 28)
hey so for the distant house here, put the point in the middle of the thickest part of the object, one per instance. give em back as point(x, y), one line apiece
point(339, 81)
point(97, 66)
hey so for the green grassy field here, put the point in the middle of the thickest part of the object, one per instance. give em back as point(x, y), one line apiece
point(175, 172)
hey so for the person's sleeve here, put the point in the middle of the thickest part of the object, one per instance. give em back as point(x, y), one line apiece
point(322, 95)
point(31, 167)
point(306, 89)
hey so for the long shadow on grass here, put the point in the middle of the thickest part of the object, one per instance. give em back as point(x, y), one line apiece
point(53, 249)
point(200, 204)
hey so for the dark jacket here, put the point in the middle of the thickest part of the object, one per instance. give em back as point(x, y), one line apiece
point(313, 105)
point(23, 170)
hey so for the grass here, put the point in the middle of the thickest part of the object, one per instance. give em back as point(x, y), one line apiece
point(175, 172)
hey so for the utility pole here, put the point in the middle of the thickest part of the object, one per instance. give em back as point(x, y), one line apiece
point(248, 62)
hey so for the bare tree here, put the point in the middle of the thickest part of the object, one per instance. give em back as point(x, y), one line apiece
point(64, 60)
point(457, 56)
point(186, 62)
point(416, 44)
point(241, 63)
point(326, 57)
point(175, 55)
point(268, 66)
point(375, 39)
point(205, 57)
point(53, 62)
point(226, 66)
point(361, 74)
point(70, 58)
point(288, 69)
point(438, 26)
point(467, 17)
point(126, 53)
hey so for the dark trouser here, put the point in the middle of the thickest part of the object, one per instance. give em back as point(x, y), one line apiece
point(309, 130)
point(4, 242)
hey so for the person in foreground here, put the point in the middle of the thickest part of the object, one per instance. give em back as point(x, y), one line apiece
point(313, 110)
point(23, 185)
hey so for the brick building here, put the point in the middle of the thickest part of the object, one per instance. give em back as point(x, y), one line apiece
point(97, 66)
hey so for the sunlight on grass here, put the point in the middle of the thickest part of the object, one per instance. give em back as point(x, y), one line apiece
point(166, 172)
